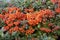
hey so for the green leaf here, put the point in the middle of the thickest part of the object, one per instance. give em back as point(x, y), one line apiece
point(21, 1)
point(57, 32)
point(15, 34)
point(1, 33)
point(45, 37)
point(38, 25)
point(7, 36)
point(39, 2)
point(29, 37)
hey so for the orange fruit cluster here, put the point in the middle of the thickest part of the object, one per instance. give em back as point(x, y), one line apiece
point(14, 16)
point(45, 29)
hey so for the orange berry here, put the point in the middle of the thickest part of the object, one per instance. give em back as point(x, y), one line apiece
point(17, 23)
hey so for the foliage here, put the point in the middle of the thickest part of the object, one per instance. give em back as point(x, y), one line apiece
point(30, 20)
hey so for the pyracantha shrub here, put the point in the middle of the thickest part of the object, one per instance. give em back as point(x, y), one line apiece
point(31, 22)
